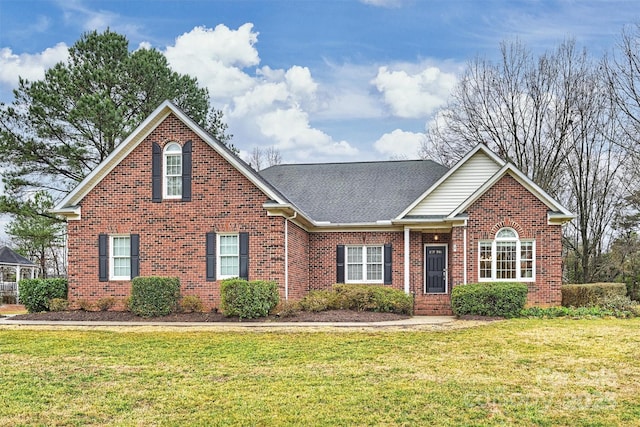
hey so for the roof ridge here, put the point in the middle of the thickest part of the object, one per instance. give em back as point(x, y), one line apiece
point(354, 163)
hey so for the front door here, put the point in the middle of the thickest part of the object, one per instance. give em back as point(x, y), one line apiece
point(435, 261)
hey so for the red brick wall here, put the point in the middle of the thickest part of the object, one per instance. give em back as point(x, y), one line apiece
point(172, 233)
point(509, 204)
point(322, 255)
point(298, 261)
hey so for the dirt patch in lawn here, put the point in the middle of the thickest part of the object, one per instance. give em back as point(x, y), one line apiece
point(124, 316)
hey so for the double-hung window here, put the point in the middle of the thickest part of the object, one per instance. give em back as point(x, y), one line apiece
point(364, 264)
point(229, 256)
point(173, 171)
point(120, 257)
point(506, 258)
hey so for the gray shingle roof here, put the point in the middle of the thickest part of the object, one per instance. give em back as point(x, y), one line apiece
point(354, 192)
point(7, 256)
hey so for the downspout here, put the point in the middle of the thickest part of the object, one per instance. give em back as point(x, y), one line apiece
point(464, 255)
point(406, 260)
point(286, 254)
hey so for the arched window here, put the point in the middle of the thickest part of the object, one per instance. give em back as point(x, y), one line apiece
point(507, 258)
point(172, 171)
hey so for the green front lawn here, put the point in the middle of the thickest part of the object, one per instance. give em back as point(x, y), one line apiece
point(516, 372)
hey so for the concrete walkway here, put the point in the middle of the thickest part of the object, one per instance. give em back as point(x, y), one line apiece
point(411, 323)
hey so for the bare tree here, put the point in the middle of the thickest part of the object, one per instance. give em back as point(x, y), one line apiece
point(519, 107)
point(269, 156)
point(552, 117)
point(623, 75)
point(594, 173)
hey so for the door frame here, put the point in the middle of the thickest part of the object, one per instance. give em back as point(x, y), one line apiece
point(445, 270)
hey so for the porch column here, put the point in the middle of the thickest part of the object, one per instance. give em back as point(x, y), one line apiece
point(407, 258)
point(17, 284)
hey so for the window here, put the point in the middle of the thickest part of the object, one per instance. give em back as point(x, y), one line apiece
point(120, 258)
point(507, 258)
point(172, 171)
point(364, 264)
point(229, 255)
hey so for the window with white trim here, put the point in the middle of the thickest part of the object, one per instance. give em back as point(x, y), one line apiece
point(364, 264)
point(120, 258)
point(172, 171)
point(506, 258)
point(228, 256)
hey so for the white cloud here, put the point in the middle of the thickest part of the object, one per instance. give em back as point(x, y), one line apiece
point(400, 144)
point(292, 134)
point(216, 58)
point(29, 66)
point(414, 95)
point(383, 3)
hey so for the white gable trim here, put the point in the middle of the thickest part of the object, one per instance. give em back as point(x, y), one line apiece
point(470, 154)
point(133, 140)
point(527, 183)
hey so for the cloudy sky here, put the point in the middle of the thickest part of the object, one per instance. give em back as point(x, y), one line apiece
point(321, 80)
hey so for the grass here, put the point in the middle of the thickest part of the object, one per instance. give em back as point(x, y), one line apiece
point(516, 372)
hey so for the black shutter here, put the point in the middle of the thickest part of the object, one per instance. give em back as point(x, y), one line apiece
point(186, 172)
point(103, 258)
point(387, 264)
point(244, 256)
point(156, 173)
point(135, 255)
point(340, 264)
point(211, 257)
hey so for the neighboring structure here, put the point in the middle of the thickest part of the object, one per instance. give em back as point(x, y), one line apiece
point(172, 201)
point(13, 266)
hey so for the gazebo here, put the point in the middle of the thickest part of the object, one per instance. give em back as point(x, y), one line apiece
point(9, 260)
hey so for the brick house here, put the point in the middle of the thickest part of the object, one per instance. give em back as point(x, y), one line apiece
point(172, 201)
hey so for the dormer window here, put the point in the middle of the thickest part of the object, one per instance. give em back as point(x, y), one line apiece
point(172, 171)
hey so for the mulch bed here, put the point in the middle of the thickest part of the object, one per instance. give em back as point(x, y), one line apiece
point(125, 316)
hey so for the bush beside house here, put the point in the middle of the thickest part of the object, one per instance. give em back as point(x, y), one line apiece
point(489, 299)
point(248, 299)
point(36, 294)
point(154, 296)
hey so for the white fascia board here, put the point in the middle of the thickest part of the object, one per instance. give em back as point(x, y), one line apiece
point(479, 147)
point(527, 183)
point(556, 218)
point(70, 213)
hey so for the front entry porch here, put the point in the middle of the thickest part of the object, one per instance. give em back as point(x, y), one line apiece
point(432, 254)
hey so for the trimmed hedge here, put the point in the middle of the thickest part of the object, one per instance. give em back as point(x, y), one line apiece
point(248, 300)
point(373, 298)
point(489, 299)
point(591, 294)
point(154, 296)
point(35, 294)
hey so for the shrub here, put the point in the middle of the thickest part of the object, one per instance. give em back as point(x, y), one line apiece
point(35, 294)
point(489, 299)
point(582, 312)
point(590, 294)
point(191, 304)
point(320, 300)
point(85, 304)
point(154, 296)
point(373, 298)
point(248, 300)
point(58, 304)
point(105, 303)
point(287, 309)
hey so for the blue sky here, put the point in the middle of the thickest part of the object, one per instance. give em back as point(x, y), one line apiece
point(329, 80)
point(321, 80)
